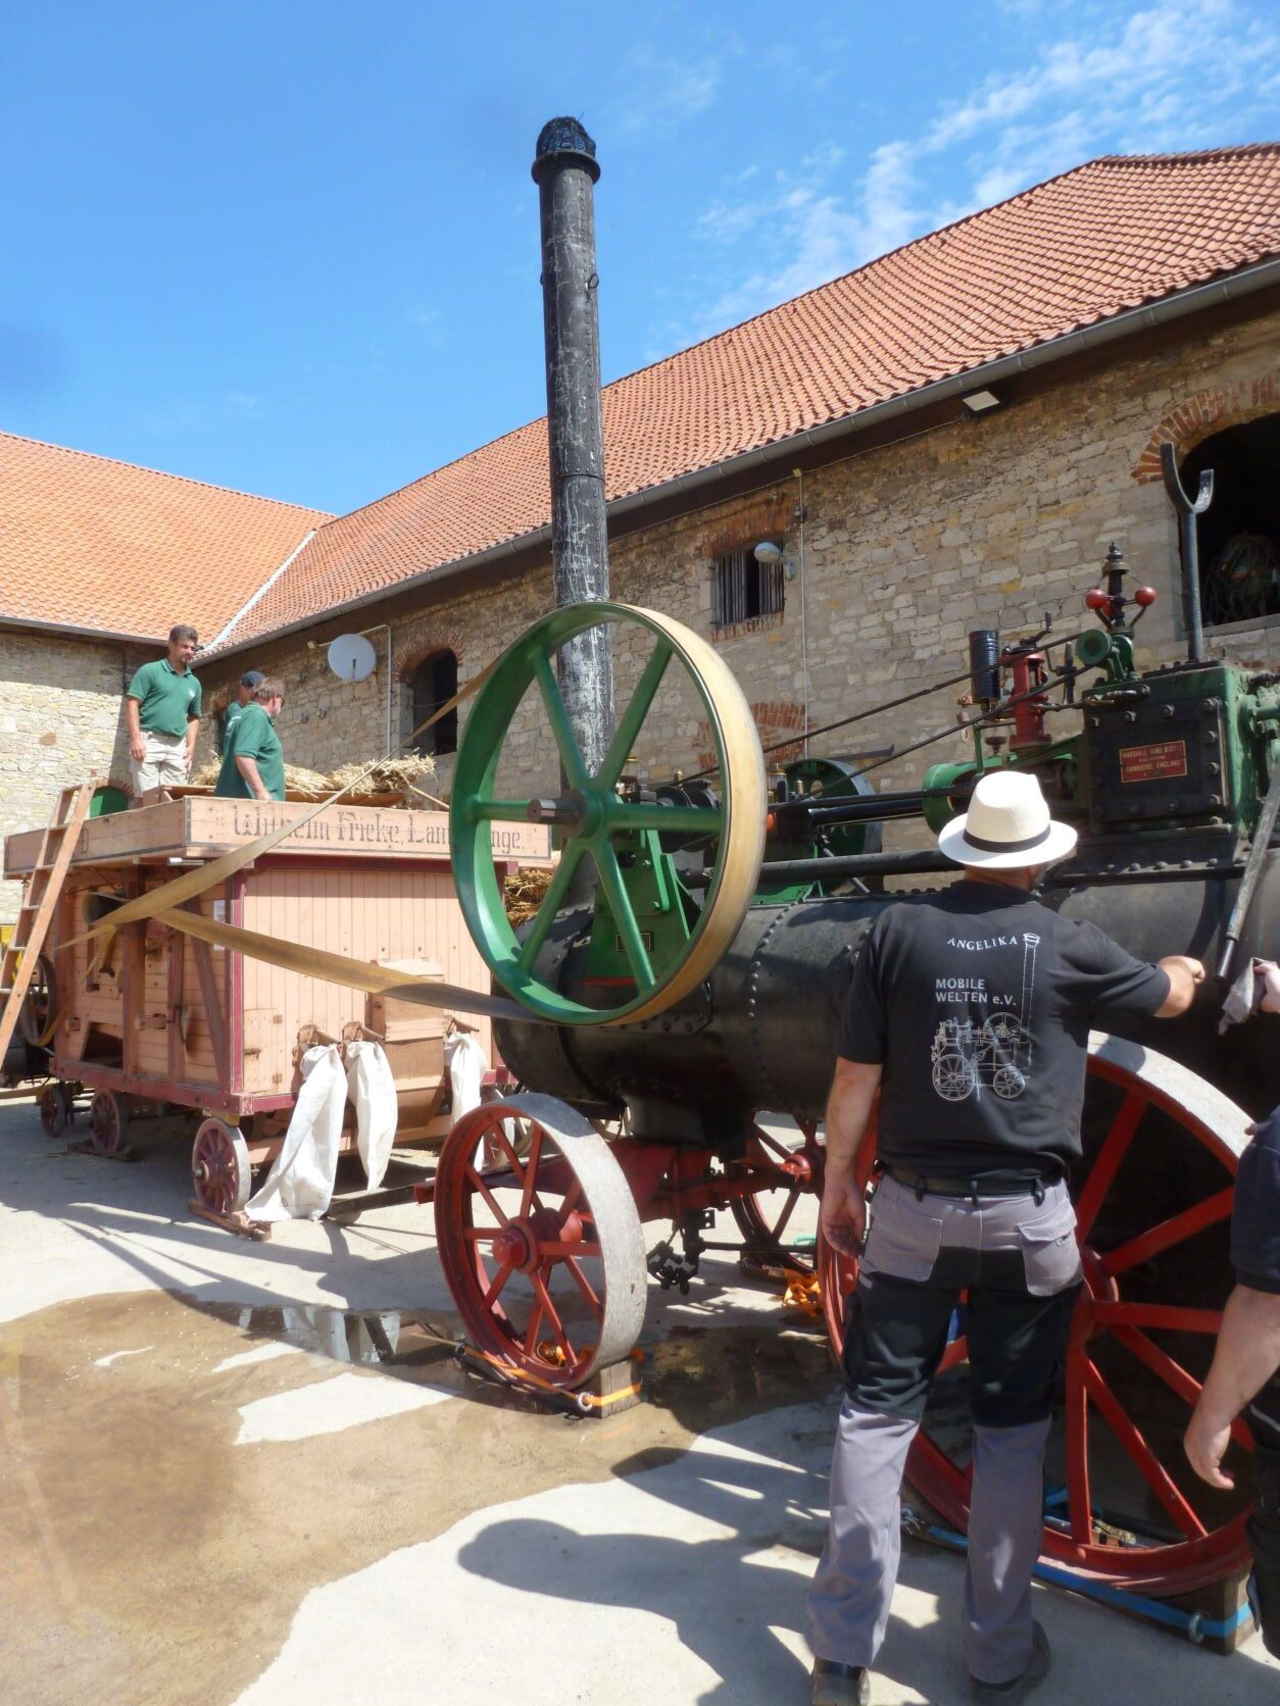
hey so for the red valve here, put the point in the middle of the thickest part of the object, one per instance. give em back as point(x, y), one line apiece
point(1144, 596)
point(1097, 599)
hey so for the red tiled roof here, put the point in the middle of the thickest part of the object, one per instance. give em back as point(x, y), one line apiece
point(1108, 236)
point(107, 545)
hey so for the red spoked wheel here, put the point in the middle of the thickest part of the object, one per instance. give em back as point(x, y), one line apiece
point(55, 1109)
point(108, 1123)
point(220, 1171)
point(543, 1252)
point(1153, 1209)
point(765, 1217)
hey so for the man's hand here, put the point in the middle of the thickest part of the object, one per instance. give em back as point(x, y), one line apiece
point(1185, 975)
point(844, 1216)
point(137, 748)
point(1205, 1444)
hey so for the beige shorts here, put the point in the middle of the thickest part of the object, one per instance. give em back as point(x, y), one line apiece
point(165, 763)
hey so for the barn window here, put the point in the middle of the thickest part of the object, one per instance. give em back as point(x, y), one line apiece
point(745, 588)
point(434, 683)
point(1239, 533)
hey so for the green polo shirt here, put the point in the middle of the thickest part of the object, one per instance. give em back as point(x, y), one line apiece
point(230, 717)
point(167, 701)
point(253, 735)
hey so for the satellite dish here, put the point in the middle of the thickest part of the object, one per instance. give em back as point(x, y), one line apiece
point(352, 657)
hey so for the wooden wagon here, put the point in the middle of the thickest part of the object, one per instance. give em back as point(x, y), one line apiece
point(166, 1024)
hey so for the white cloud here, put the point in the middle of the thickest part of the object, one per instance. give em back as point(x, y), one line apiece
point(1148, 81)
point(660, 91)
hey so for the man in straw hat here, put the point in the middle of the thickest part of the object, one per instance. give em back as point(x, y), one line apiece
point(969, 1012)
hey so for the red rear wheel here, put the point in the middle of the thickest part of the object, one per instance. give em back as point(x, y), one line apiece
point(767, 1217)
point(1152, 1212)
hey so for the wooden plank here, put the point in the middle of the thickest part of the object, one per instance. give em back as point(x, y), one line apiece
point(213, 1015)
point(20, 958)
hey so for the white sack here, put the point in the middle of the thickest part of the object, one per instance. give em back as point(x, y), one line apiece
point(300, 1183)
point(372, 1088)
point(467, 1066)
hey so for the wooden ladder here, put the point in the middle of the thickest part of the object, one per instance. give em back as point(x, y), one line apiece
point(40, 897)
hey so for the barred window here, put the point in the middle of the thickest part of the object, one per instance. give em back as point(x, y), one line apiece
point(744, 588)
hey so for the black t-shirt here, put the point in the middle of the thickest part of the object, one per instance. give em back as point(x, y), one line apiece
point(978, 1001)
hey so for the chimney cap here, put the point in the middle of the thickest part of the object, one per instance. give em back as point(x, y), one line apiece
point(564, 142)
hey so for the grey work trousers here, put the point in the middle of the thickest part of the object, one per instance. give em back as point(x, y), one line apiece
point(1017, 1259)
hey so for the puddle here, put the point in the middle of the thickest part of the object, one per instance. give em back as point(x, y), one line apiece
point(156, 1547)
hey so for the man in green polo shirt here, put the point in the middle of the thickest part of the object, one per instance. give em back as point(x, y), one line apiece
point(253, 763)
point(162, 713)
point(250, 682)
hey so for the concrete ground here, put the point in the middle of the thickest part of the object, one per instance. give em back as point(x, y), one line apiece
point(235, 1472)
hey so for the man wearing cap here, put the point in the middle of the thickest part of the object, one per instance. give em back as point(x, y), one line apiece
point(253, 759)
point(162, 714)
point(969, 1013)
point(250, 681)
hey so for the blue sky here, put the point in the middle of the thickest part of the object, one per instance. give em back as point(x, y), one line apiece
point(293, 248)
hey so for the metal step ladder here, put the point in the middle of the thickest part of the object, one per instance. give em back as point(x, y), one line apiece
point(40, 898)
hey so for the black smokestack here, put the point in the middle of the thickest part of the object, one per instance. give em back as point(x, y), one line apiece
point(565, 172)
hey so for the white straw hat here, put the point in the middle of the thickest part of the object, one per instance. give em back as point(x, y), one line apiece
point(1007, 826)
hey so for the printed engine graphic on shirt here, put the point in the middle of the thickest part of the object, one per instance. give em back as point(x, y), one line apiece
point(996, 1050)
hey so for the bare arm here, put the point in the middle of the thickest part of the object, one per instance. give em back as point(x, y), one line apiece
point(193, 735)
point(132, 718)
point(1184, 974)
point(248, 768)
point(1247, 1355)
point(844, 1213)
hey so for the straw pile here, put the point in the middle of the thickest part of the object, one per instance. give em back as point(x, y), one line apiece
point(409, 778)
point(408, 775)
point(523, 892)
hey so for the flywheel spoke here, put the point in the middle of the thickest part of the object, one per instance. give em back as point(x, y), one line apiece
point(633, 718)
point(624, 915)
point(1174, 1376)
point(1112, 1153)
point(561, 728)
point(1145, 1460)
point(549, 905)
point(1175, 1230)
point(498, 811)
point(562, 1250)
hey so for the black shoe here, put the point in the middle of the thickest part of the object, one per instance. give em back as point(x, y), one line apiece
point(835, 1684)
point(1019, 1686)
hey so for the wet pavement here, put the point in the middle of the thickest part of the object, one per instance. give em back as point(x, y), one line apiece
point(257, 1473)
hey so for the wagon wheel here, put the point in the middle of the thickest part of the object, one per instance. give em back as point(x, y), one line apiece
point(1134, 1515)
point(765, 1216)
point(544, 1255)
point(39, 1004)
point(55, 1109)
point(220, 1170)
point(108, 1123)
point(657, 968)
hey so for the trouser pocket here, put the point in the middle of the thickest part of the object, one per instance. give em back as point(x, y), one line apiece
point(1050, 1256)
point(904, 1238)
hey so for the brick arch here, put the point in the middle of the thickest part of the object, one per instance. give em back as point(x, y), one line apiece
point(1202, 414)
point(409, 656)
